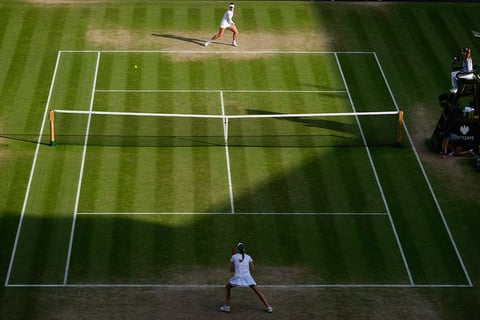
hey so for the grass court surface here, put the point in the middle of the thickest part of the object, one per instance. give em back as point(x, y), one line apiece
point(148, 208)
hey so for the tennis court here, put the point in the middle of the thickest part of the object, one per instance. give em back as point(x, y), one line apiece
point(228, 153)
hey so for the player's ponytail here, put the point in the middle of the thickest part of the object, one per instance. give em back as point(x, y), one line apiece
point(241, 249)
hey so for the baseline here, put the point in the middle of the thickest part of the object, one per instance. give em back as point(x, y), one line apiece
point(208, 286)
point(239, 213)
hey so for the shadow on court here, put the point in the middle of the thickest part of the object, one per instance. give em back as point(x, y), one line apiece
point(24, 137)
point(310, 121)
point(199, 42)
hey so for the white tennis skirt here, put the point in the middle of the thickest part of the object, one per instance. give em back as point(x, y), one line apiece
point(224, 24)
point(242, 281)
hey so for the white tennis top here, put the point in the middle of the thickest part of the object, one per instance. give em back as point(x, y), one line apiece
point(227, 19)
point(241, 268)
point(467, 65)
point(242, 276)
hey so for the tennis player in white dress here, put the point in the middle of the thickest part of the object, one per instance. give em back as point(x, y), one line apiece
point(226, 23)
point(242, 266)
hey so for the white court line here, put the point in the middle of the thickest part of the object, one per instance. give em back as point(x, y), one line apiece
point(215, 91)
point(32, 170)
point(211, 286)
point(227, 154)
point(240, 213)
point(427, 180)
point(219, 51)
point(377, 179)
point(80, 178)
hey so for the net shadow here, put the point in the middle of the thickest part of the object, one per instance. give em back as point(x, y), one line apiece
point(286, 130)
point(260, 141)
point(24, 137)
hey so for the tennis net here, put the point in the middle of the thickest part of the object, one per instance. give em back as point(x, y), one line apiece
point(254, 129)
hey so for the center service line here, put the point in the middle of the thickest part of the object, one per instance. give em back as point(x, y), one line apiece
point(227, 155)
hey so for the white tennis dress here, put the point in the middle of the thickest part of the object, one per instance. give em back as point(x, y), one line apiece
point(227, 19)
point(242, 276)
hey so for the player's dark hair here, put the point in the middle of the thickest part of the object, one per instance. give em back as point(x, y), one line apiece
point(241, 249)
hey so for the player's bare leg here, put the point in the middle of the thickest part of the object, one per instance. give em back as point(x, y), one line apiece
point(228, 294)
point(234, 29)
point(262, 298)
point(220, 33)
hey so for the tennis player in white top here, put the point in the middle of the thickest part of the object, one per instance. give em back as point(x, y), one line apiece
point(226, 23)
point(242, 266)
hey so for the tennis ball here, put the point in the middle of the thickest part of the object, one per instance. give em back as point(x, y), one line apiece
point(136, 67)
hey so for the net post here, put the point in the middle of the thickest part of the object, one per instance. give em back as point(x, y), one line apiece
point(53, 143)
point(399, 127)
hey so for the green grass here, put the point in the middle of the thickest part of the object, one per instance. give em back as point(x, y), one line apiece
point(413, 43)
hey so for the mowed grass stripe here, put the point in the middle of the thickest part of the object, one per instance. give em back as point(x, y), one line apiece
point(277, 200)
point(394, 183)
point(273, 181)
point(247, 178)
point(191, 100)
point(404, 65)
point(427, 247)
point(164, 249)
point(302, 15)
point(138, 17)
point(273, 17)
point(48, 215)
point(363, 74)
point(467, 16)
point(8, 33)
point(444, 26)
point(20, 48)
point(280, 197)
point(128, 190)
point(432, 62)
point(76, 70)
point(128, 160)
point(269, 17)
point(167, 18)
point(41, 61)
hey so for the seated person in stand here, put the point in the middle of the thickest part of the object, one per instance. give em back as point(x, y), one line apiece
point(455, 143)
point(467, 66)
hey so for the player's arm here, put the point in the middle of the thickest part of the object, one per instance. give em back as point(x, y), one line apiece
point(232, 267)
point(230, 21)
point(251, 266)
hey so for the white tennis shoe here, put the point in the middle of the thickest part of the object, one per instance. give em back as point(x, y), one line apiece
point(225, 309)
point(269, 309)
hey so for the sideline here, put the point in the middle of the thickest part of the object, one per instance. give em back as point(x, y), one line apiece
point(32, 170)
point(425, 176)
